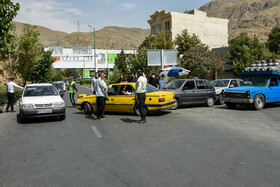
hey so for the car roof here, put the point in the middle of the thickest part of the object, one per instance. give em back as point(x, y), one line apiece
point(40, 84)
point(191, 79)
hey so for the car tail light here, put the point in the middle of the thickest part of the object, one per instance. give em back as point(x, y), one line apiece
point(161, 100)
point(173, 96)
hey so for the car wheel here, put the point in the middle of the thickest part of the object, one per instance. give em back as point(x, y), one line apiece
point(220, 100)
point(87, 108)
point(21, 118)
point(259, 102)
point(231, 105)
point(62, 117)
point(176, 105)
point(210, 102)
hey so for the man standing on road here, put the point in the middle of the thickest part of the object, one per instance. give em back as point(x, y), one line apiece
point(72, 89)
point(10, 93)
point(162, 82)
point(140, 96)
point(100, 88)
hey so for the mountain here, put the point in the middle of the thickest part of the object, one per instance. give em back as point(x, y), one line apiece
point(107, 38)
point(252, 16)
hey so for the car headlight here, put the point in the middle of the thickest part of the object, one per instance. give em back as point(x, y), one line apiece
point(27, 106)
point(59, 104)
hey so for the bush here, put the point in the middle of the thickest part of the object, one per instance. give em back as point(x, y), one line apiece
point(3, 94)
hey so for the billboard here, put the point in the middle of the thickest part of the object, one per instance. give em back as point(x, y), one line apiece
point(162, 57)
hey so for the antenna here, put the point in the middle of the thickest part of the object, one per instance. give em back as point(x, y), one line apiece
point(78, 28)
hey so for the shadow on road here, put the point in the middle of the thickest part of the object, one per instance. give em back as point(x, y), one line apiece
point(37, 120)
point(248, 107)
point(128, 120)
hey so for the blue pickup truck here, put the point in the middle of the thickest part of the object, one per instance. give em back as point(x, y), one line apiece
point(260, 85)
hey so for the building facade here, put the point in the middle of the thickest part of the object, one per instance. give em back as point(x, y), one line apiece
point(211, 31)
point(82, 57)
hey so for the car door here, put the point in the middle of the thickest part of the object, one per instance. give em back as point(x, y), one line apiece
point(204, 90)
point(125, 100)
point(189, 93)
point(113, 95)
point(273, 94)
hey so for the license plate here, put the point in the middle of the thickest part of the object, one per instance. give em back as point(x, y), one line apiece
point(44, 111)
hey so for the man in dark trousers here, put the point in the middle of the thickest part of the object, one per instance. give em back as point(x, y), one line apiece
point(100, 88)
point(10, 93)
point(140, 96)
point(154, 81)
point(72, 89)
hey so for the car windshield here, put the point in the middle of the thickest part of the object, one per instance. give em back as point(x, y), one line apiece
point(175, 84)
point(151, 88)
point(39, 91)
point(57, 85)
point(220, 83)
point(255, 80)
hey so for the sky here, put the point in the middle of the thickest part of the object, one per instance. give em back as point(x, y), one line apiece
point(64, 15)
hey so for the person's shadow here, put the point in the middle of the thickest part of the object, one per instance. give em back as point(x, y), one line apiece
point(128, 120)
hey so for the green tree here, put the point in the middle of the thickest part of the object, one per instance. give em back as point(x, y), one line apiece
point(162, 41)
point(244, 50)
point(202, 62)
point(121, 63)
point(8, 10)
point(115, 75)
point(273, 41)
point(42, 71)
point(30, 52)
point(148, 42)
point(184, 41)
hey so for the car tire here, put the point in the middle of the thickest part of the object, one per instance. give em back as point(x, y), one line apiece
point(220, 100)
point(176, 105)
point(231, 105)
point(87, 108)
point(259, 102)
point(210, 102)
point(62, 117)
point(22, 119)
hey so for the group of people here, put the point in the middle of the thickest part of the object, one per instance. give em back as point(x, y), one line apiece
point(158, 83)
point(100, 88)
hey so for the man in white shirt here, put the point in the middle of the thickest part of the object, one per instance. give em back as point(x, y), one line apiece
point(10, 93)
point(140, 96)
point(100, 89)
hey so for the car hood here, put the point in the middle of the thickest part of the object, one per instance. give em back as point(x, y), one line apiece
point(244, 88)
point(41, 99)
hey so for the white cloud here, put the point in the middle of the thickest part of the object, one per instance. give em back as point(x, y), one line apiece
point(128, 6)
point(49, 13)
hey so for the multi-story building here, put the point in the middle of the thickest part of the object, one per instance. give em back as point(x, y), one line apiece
point(211, 31)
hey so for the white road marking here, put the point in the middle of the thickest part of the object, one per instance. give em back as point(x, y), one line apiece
point(96, 131)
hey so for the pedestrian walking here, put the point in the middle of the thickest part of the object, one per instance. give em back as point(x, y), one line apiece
point(10, 93)
point(101, 89)
point(140, 96)
point(72, 90)
point(154, 81)
point(93, 81)
point(162, 82)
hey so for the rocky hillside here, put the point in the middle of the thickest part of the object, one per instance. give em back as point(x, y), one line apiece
point(106, 38)
point(256, 17)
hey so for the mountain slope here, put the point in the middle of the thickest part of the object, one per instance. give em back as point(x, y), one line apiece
point(252, 16)
point(106, 38)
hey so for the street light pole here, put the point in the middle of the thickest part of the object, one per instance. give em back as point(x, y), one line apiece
point(94, 47)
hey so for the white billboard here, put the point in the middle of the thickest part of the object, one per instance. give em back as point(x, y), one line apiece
point(162, 57)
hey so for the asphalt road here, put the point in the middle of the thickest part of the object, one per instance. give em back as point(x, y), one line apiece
point(192, 146)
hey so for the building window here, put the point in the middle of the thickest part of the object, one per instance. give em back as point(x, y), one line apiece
point(167, 26)
point(158, 29)
point(153, 30)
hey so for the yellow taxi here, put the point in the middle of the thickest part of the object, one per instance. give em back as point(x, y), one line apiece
point(122, 99)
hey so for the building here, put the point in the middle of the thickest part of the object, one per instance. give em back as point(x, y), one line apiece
point(82, 57)
point(211, 31)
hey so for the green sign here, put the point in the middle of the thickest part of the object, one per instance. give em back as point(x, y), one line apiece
point(86, 74)
point(111, 58)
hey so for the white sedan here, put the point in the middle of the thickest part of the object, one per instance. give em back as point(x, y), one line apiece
point(41, 100)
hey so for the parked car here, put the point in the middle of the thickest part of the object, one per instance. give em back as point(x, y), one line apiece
point(122, 99)
point(63, 84)
point(41, 100)
point(192, 91)
point(221, 84)
point(59, 88)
